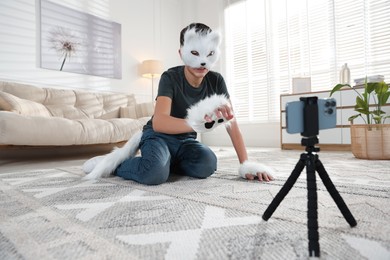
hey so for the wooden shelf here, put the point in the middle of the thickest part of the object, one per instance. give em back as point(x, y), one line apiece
point(323, 147)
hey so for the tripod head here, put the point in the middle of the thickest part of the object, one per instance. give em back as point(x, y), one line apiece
point(310, 143)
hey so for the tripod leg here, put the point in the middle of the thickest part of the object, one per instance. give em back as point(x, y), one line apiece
point(285, 189)
point(312, 213)
point(335, 194)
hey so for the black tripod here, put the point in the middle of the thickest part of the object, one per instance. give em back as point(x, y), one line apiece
point(313, 164)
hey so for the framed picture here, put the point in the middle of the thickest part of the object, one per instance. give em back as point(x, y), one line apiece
point(78, 42)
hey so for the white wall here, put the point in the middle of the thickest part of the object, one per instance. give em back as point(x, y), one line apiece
point(255, 135)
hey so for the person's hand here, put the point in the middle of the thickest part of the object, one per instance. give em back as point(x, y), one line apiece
point(224, 111)
point(209, 113)
point(252, 170)
point(261, 176)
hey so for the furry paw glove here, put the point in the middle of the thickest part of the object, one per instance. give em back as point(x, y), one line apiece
point(206, 107)
point(253, 168)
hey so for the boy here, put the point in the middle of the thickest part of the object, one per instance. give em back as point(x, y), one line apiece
point(168, 143)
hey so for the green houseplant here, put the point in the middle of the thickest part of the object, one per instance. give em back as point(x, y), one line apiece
point(370, 140)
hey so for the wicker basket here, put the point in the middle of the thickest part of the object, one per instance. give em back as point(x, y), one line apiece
point(371, 141)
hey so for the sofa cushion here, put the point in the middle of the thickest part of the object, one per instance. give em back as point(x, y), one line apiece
point(59, 97)
point(14, 104)
point(145, 109)
point(110, 115)
point(88, 103)
point(24, 91)
point(112, 102)
point(128, 112)
point(78, 104)
point(72, 104)
point(66, 111)
point(137, 111)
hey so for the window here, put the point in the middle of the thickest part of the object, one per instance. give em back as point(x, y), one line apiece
point(268, 42)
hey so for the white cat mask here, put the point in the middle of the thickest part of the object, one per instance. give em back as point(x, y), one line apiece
point(200, 49)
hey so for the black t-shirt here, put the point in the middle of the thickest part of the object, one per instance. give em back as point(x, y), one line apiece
point(174, 85)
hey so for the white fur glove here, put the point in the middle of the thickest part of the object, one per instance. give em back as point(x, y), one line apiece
point(206, 107)
point(253, 168)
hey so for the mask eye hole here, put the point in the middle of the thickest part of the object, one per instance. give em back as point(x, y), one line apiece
point(195, 53)
point(211, 53)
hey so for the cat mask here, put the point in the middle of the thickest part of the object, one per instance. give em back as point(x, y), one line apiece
point(200, 49)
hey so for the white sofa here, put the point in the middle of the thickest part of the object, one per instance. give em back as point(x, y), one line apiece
point(35, 116)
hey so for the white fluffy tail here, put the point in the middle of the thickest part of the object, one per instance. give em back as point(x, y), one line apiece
point(112, 160)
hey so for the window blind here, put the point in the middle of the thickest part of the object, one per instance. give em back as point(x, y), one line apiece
point(270, 42)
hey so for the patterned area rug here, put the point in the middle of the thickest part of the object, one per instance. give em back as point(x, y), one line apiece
point(55, 214)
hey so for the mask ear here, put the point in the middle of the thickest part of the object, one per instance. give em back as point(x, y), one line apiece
point(189, 35)
point(215, 38)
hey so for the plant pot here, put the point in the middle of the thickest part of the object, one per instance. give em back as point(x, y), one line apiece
point(371, 141)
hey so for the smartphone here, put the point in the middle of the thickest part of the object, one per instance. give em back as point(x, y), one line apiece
point(295, 117)
point(327, 113)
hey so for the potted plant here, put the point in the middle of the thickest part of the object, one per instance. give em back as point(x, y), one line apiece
point(370, 140)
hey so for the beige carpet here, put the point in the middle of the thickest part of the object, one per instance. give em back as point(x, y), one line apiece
point(54, 214)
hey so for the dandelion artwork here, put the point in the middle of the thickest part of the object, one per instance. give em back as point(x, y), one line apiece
point(78, 42)
point(64, 42)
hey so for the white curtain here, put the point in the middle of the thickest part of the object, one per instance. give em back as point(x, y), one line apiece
point(268, 42)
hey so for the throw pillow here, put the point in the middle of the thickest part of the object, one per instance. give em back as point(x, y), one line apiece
point(110, 115)
point(14, 104)
point(128, 112)
point(138, 111)
point(145, 109)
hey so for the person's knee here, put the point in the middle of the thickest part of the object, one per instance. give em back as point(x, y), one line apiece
point(155, 173)
point(148, 170)
point(204, 165)
point(156, 179)
point(203, 173)
point(206, 169)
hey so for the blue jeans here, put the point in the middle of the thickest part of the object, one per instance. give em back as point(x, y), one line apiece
point(162, 154)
